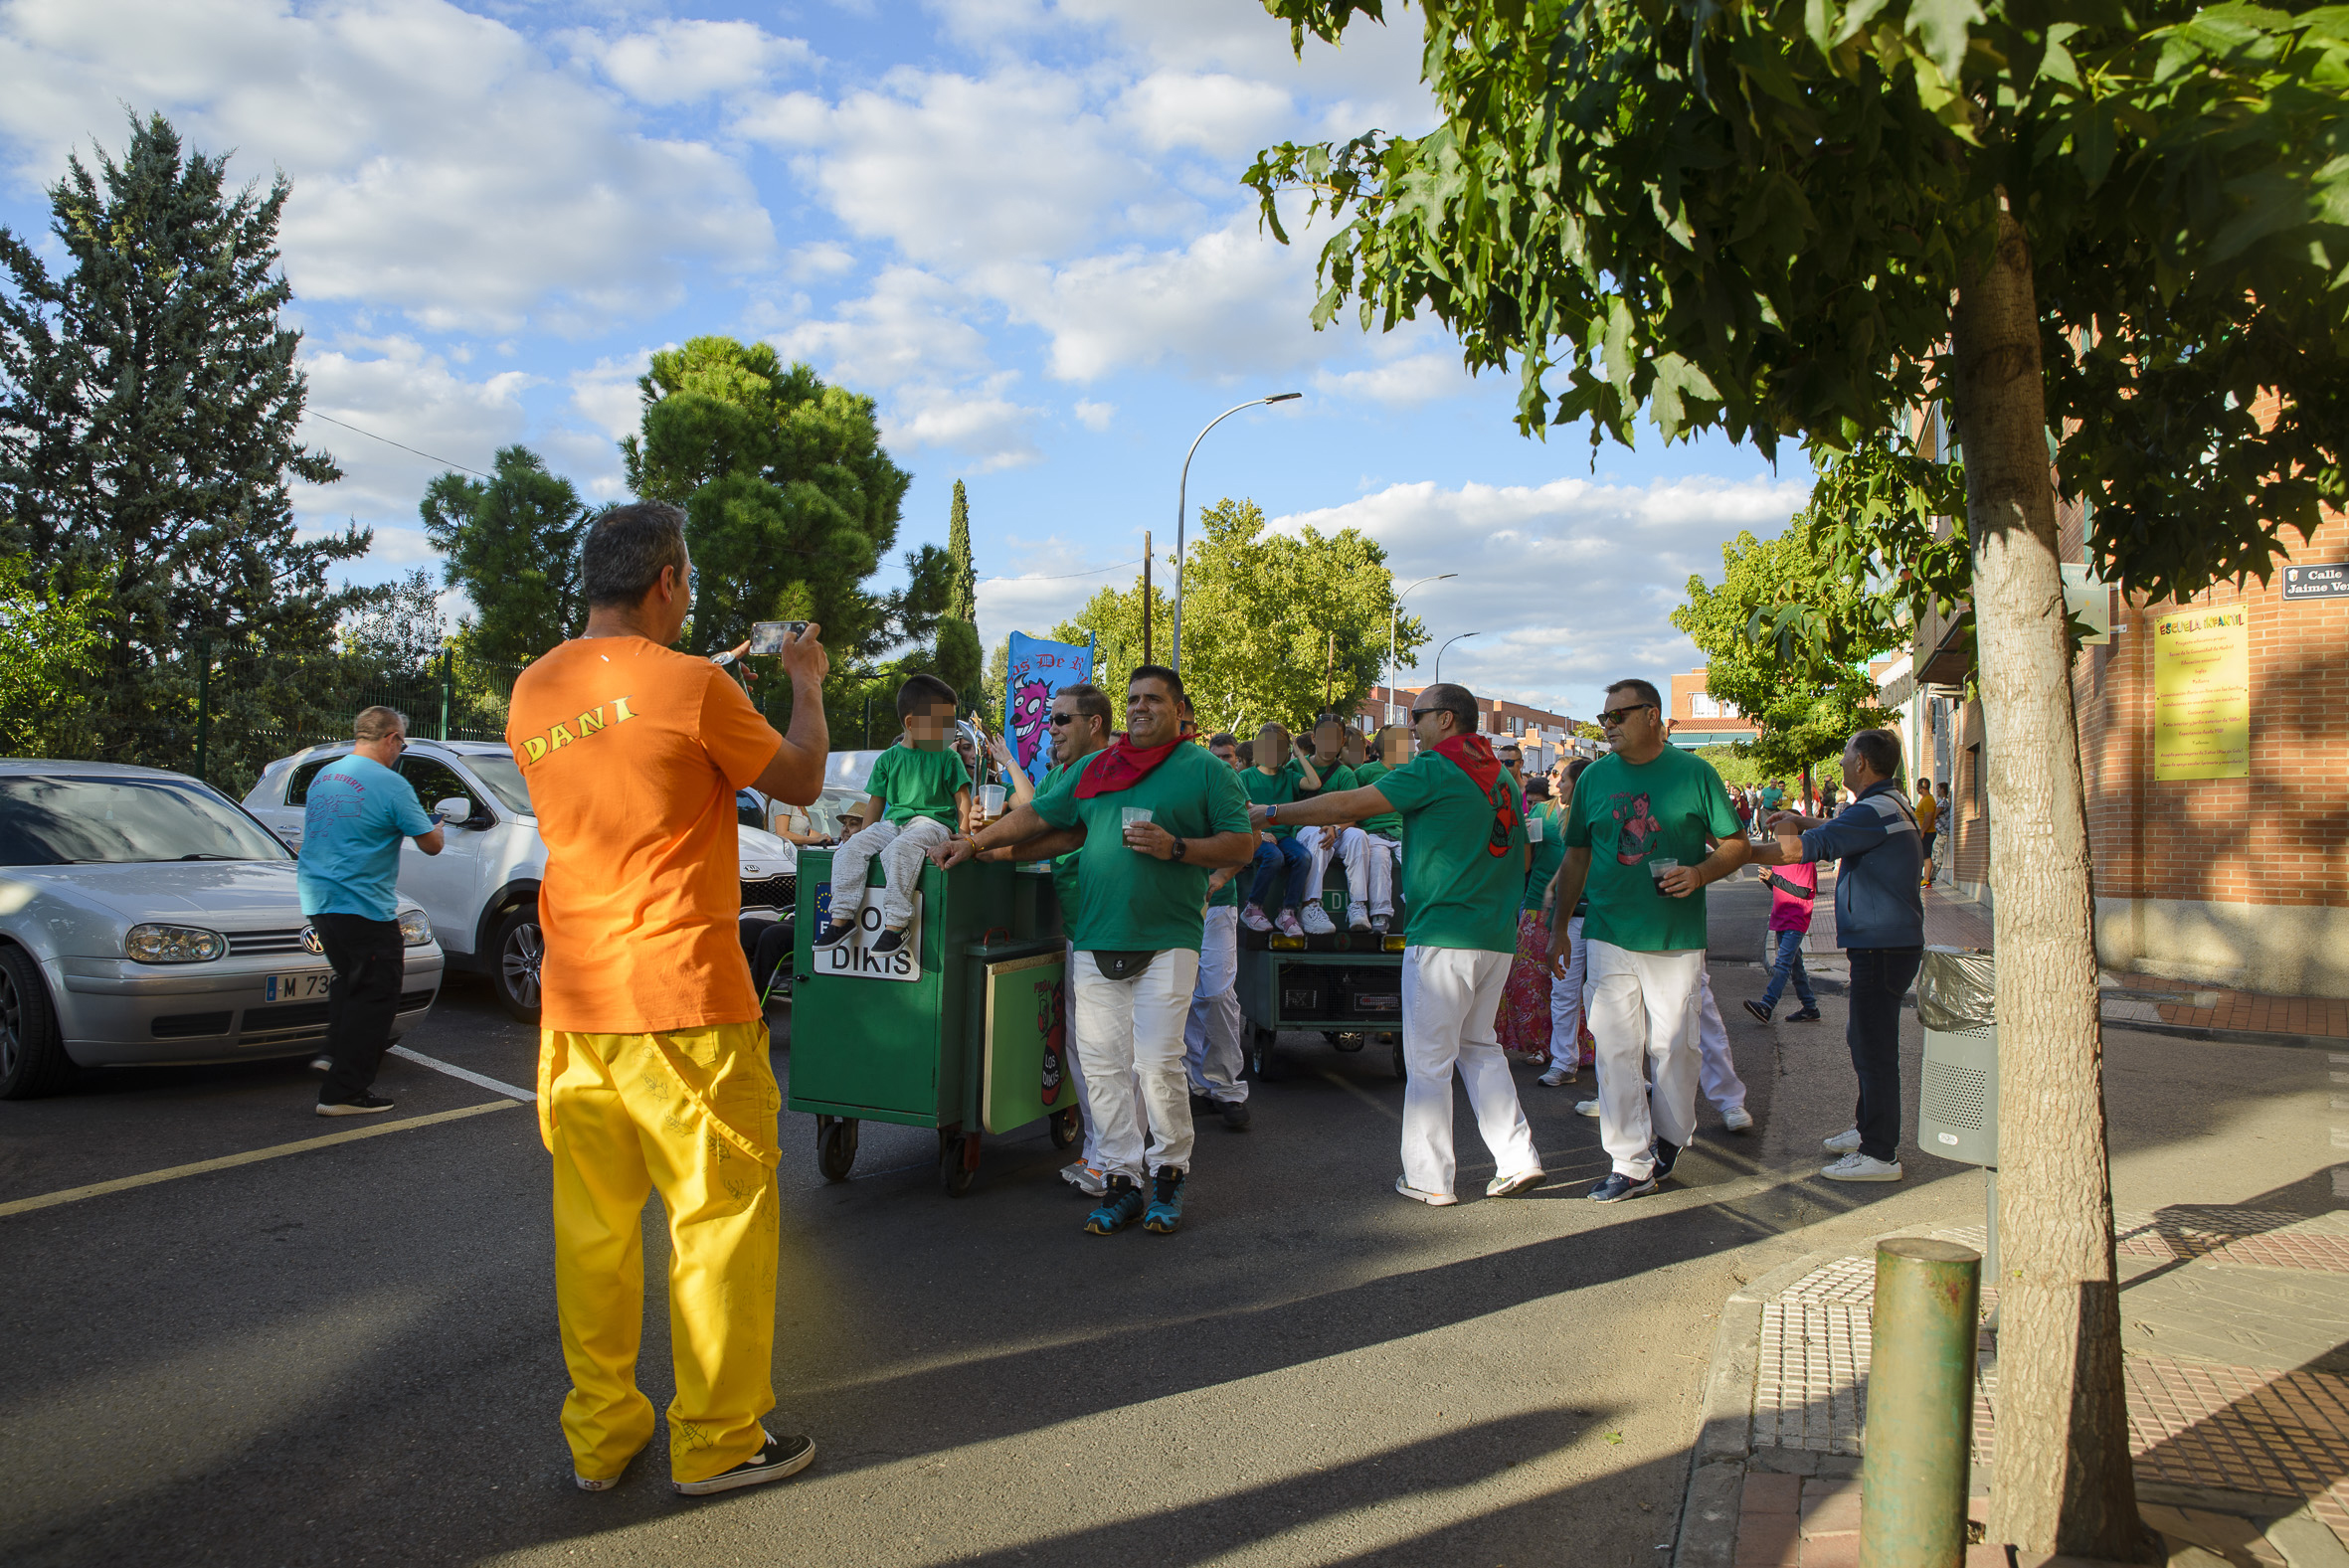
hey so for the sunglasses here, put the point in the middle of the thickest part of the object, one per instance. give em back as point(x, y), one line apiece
point(1059, 719)
point(1615, 716)
point(1421, 713)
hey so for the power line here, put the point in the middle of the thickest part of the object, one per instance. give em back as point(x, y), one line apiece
point(403, 445)
point(1064, 576)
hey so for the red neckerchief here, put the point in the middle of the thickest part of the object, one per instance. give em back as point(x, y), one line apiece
point(1120, 765)
point(1473, 754)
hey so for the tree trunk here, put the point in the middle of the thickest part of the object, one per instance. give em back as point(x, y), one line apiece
point(2063, 1480)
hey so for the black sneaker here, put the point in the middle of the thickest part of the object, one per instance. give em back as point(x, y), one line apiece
point(888, 941)
point(1666, 1156)
point(1618, 1187)
point(833, 934)
point(1119, 1207)
point(1807, 1015)
point(780, 1458)
point(1234, 1114)
point(366, 1104)
point(1760, 1013)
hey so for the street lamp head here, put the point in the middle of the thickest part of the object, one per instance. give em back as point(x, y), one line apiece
point(1284, 396)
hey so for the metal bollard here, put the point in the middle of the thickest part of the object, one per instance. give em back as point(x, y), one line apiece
point(1921, 1405)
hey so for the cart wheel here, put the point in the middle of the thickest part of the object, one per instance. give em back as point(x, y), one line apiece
point(835, 1146)
point(1400, 1071)
point(1348, 1040)
point(1063, 1125)
point(1264, 1057)
point(956, 1168)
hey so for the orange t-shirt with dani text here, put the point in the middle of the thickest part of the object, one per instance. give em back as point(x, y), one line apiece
point(632, 753)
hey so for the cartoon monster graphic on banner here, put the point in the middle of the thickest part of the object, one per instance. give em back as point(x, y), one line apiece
point(1039, 671)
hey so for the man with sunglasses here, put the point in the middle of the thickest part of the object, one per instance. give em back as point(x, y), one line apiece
point(1463, 816)
point(1636, 844)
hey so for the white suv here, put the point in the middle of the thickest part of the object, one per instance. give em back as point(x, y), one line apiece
point(481, 890)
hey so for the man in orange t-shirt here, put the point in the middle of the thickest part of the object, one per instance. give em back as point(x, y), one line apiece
point(653, 1067)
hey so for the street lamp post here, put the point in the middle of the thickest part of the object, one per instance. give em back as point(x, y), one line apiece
point(1183, 508)
point(1440, 654)
point(1393, 614)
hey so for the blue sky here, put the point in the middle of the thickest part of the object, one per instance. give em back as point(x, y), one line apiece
point(1015, 222)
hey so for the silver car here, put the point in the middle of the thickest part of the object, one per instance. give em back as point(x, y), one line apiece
point(145, 918)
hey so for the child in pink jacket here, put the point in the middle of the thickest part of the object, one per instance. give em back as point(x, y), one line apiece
point(1793, 890)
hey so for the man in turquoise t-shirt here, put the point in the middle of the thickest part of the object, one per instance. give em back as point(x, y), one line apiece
point(1635, 841)
point(914, 798)
point(353, 818)
point(1465, 876)
point(1159, 814)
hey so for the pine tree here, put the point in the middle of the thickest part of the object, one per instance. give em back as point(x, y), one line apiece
point(149, 398)
point(512, 543)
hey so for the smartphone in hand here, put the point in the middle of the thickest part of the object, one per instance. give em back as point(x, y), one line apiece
point(767, 635)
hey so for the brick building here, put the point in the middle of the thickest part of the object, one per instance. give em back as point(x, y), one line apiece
point(2239, 879)
point(1701, 719)
point(1541, 735)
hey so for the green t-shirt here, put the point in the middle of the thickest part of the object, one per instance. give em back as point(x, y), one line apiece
point(1127, 901)
point(1335, 777)
point(1772, 797)
point(1549, 854)
point(1626, 814)
point(1460, 894)
point(1263, 789)
point(1388, 824)
point(1064, 867)
point(912, 783)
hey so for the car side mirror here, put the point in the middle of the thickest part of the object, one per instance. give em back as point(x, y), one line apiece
point(456, 811)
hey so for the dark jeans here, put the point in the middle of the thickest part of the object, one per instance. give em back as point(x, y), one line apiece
point(1271, 860)
point(1786, 963)
point(1881, 977)
point(767, 943)
point(370, 961)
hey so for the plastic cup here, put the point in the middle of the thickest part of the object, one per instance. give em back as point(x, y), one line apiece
point(1657, 866)
point(1533, 830)
point(990, 800)
point(1134, 815)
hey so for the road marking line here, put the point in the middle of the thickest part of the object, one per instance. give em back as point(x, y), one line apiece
point(225, 1162)
point(469, 1076)
point(1361, 1093)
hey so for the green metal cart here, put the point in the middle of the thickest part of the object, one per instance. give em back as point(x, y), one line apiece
point(1346, 986)
point(962, 1029)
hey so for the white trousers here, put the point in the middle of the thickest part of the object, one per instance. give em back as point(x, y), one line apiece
point(1644, 1009)
point(1211, 1038)
point(1565, 1000)
point(1450, 997)
point(1134, 1027)
point(902, 847)
point(1369, 862)
point(1717, 1074)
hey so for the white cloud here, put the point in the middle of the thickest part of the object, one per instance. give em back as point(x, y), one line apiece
point(1095, 417)
point(990, 429)
point(605, 394)
point(1211, 111)
point(442, 165)
point(1401, 382)
point(393, 391)
point(1564, 586)
point(1054, 581)
point(908, 329)
point(682, 62)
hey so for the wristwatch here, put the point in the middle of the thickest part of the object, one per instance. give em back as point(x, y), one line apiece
point(1180, 847)
point(1272, 812)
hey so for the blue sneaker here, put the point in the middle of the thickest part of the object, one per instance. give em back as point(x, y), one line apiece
point(1666, 1156)
point(1618, 1187)
point(1119, 1207)
point(1166, 1202)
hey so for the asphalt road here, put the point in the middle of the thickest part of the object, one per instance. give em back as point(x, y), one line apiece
point(348, 1354)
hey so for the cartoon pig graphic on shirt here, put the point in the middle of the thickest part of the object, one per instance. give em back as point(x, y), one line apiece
point(1636, 828)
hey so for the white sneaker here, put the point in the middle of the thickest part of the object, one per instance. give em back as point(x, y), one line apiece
point(1587, 1108)
point(1084, 1178)
point(1845, 1142)
point(1856, 1167)
point(1556, 1077)
point(1434, 1200)
point(1357, 917)
point(1737, 1118)
point(1511, 1186)
point(1288, 924)
point(1316, 921)
point(1252, 917)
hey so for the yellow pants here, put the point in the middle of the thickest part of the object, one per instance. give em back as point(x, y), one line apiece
point(690, 1114)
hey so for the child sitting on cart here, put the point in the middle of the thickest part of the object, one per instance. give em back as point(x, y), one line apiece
point(918, 791)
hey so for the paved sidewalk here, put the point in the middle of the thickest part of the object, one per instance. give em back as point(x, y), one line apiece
point(2236, 1330)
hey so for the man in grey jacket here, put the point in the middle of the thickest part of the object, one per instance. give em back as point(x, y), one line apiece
point(1879, 921)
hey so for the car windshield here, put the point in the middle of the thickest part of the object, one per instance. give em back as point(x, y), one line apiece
point(823, 812)
point(58, 819)
point(497, 772)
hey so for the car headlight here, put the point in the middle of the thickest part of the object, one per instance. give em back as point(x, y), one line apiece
point(158, 944)
point(415, 929)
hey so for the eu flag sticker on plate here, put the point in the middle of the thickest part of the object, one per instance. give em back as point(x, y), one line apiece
point(270, 994)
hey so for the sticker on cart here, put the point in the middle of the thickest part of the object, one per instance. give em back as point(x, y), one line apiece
point(854, 960)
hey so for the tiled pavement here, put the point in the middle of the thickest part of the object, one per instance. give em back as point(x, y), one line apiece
point(2238, 1410)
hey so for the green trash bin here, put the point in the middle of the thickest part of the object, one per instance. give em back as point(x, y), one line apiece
point(962, 1029)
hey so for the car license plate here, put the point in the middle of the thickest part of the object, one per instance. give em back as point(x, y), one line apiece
point(298, 987)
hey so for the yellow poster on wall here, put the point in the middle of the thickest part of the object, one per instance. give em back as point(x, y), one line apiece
point(2201, 695)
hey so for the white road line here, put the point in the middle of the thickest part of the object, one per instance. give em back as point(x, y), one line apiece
point(1361, 1093)
point(453, 1071)
point(229, 1161)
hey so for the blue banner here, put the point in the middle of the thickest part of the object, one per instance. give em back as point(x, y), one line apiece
point(1039, 671)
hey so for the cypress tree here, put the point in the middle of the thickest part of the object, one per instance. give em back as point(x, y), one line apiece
point(962, 601)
